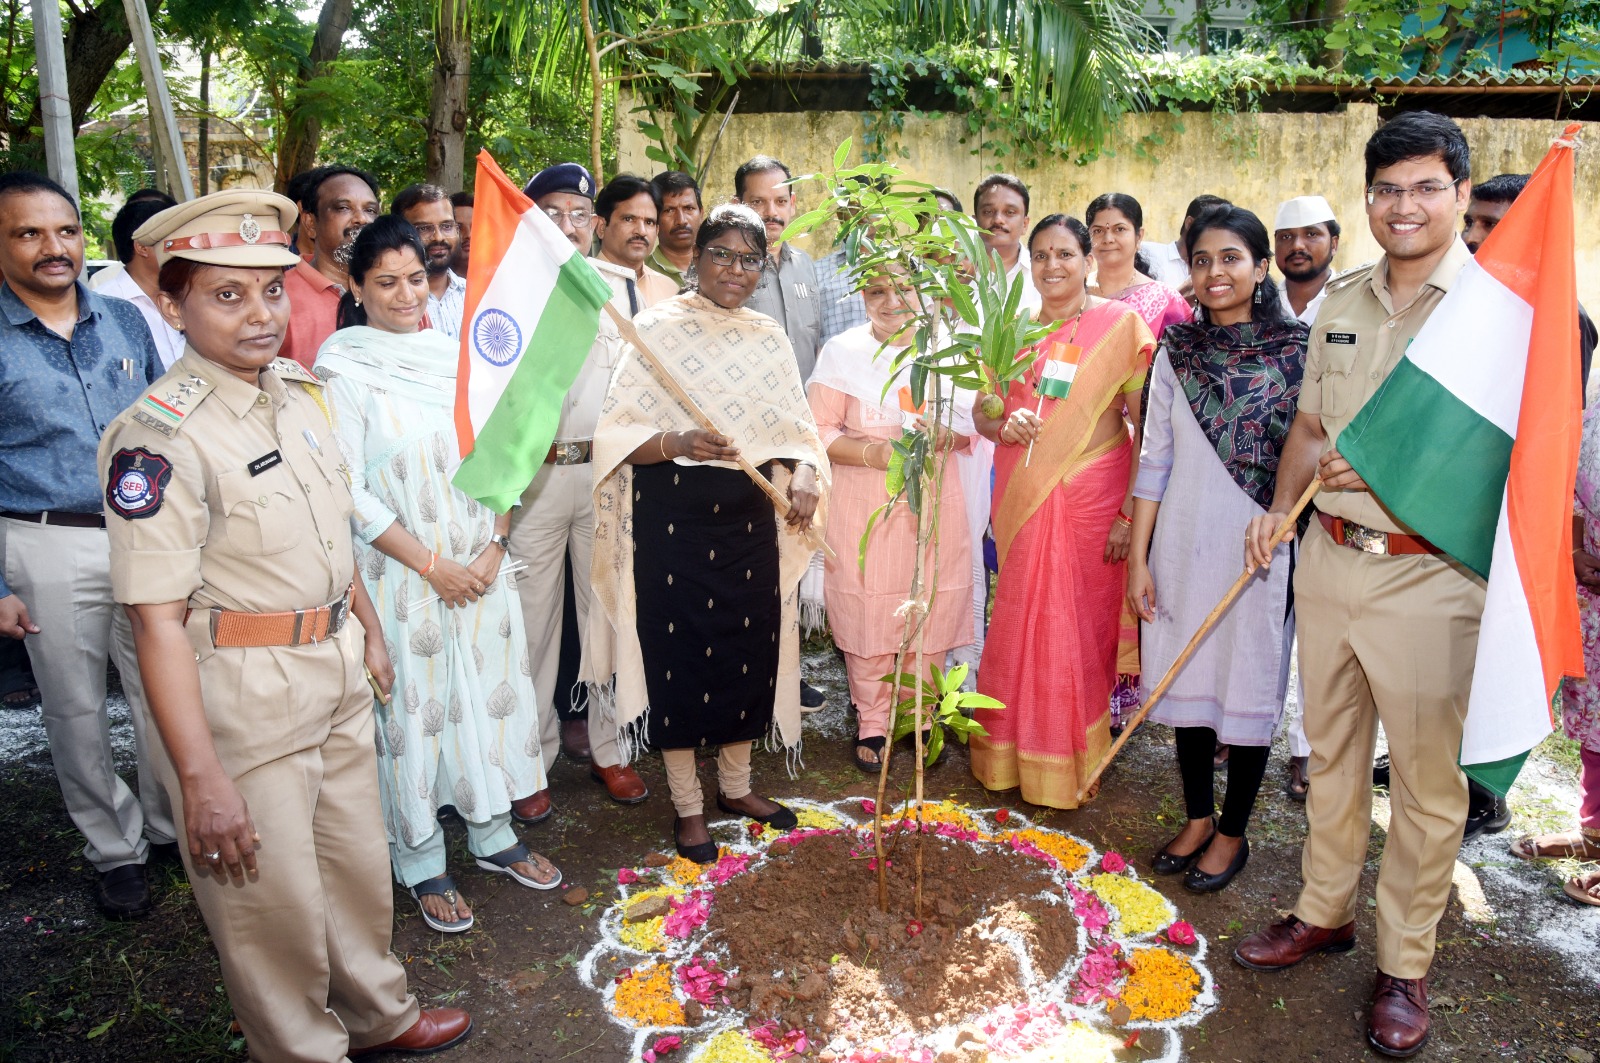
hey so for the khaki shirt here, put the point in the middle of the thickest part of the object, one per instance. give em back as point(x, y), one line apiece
point(1358, 339)
point(226, 495)
point(580, 412)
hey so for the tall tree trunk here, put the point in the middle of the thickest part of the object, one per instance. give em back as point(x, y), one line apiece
point(302, 131)
point(1202, 27)
point(447, 112)
point(1332, 13)
point(96, 37)
point(205, 118)
point(1433, 50)
point(597, 90)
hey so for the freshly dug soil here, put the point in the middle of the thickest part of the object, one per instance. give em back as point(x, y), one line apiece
point(814, 951)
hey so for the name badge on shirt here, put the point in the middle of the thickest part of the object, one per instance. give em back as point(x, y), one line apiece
point(1340, 337)
point(265, 462)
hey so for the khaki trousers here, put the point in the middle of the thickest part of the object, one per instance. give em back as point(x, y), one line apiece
point(557, 517)
point(1390, 639)
point(63, 576)
point(304, 945)
point(733, 776)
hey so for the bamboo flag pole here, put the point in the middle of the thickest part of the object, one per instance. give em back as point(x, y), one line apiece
point(631, 334)
point(1188, 651)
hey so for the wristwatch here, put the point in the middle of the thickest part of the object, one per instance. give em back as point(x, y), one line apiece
point(502, 542)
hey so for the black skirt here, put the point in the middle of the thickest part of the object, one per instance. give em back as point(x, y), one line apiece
point(705, 570)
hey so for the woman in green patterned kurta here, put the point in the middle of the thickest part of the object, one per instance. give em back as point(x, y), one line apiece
point(461, 729)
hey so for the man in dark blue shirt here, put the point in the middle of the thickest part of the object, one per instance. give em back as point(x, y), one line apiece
point(70, 361)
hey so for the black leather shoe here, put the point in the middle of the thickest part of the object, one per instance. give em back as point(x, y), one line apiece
point(123, 893)
point(811, 697)
point(782, 819)
point(704, 853)
point(1487, 813)
point(1380, 772)
point(1197, 881)
point(1168, 863)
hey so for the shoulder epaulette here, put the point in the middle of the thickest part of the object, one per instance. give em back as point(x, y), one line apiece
point(170, 401)
point(1350, 276)
point(290, 369)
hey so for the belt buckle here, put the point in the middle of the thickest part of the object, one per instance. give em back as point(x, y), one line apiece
point(1366, 539)
point(336, 615)
point(570, 453)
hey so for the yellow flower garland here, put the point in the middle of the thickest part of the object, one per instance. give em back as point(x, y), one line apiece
point(1069, 853)
point(1161, 986)
point(732, 1046)
point(645, 936)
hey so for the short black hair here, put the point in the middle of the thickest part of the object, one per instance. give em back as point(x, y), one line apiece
point(461, 199)
point(948, 200)
point(622, 188)
point(304, 188)
point(153, 194)
point(1121, 202)
point(1419, 135)
point(1202, 203)
point(729, 217)
point(671, 182)
point(133, 214)
point(1501, 188)
point(413, 195)
point(1001, 180)
point(758, 164)
point(1067, 222)
point(25, 182)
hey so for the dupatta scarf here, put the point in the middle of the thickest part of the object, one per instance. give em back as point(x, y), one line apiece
point(1243, 384)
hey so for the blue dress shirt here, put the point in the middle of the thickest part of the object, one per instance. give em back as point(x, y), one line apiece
point(58, 395)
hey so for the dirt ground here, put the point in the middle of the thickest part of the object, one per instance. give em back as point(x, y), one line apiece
point(1517, 975)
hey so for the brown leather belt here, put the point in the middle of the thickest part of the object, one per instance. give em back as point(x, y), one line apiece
point(574, 453)
point(61, 520)
point(299, 627)
point(1371, 541)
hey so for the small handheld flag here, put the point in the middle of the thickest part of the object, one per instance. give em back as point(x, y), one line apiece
point(1059, 368)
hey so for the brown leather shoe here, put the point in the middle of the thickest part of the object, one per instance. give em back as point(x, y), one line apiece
point(1288, 941)
point(1399, 1023)
point(621, 782)
point(532, 809)
point(575, 740)
point(434, 1031)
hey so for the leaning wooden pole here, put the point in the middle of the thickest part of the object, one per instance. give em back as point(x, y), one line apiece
point(631, 334)
point(1194, 643)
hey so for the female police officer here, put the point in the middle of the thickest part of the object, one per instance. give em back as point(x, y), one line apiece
point(228, 514)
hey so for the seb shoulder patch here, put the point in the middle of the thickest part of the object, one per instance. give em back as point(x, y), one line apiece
point(289, 369)
point(135, 483)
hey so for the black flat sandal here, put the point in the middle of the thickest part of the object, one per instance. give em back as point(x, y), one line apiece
point(876, 744)
point(704, 853)
point(782, 819)
point(1165, 863)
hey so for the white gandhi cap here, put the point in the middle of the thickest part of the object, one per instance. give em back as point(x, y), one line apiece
point(1301, 211)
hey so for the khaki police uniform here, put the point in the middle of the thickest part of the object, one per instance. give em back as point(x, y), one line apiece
point(556, 518)
point(1387, 638)
point(232, 498)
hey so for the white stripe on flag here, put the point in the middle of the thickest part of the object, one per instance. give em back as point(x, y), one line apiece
point(522, 284)
point(1464, 344)
point(1506, 713)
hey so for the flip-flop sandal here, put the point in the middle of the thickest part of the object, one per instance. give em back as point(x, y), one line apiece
point(1523, 849)
point(1299, 784)
point(500, 864)
point(1579, 894)
point(443, 886)
point(20, 699)
point(876, 744)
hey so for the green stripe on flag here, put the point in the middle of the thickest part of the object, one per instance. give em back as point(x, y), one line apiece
point(1435, 463)
point(1497, 775)
point(512, 443)
point(1054, 387)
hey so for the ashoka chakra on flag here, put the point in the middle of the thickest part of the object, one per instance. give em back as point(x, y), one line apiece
point(496, 336)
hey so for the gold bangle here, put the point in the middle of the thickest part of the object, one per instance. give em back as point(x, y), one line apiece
point(662, 442)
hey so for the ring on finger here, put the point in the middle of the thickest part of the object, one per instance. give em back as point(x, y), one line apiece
point(213, 857)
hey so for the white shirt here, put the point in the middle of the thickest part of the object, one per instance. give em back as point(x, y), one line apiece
point(1030, 295)
point(444, 311)
point(169, 341)
point(1310, 314)
point(1166, 264)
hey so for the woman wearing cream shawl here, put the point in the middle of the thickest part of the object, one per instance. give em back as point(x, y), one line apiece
point(1061, 529)
point(697, 642)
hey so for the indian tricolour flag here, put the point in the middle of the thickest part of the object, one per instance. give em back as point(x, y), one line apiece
point(1060, 366)
point(532, 310)
point(1473, 442)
